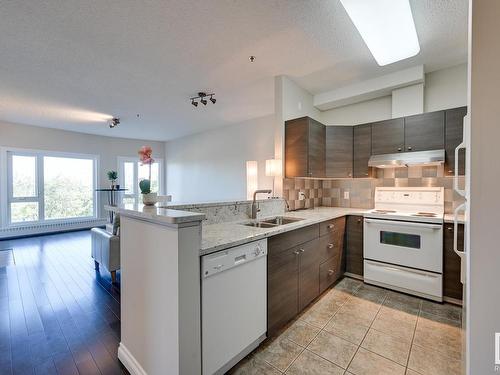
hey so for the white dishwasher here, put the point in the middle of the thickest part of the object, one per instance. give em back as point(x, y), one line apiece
point(234, 304)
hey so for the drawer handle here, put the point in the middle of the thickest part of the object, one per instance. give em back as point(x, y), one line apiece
point(296, 252)
point(331, 272)
point(330, 246)
point(302, 250)
point(330, 226)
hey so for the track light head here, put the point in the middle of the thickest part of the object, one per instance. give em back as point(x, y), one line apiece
point(202, 98)
point(212, 99)
point(114, 122)
point(194, 103)
point(203, 101)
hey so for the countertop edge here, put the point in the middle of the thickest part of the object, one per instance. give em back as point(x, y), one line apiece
point(158, 215)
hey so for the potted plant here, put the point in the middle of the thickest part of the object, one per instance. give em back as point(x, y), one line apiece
point(112, 176)
point(145, 157)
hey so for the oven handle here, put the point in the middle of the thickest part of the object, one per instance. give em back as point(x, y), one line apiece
point(405, 224)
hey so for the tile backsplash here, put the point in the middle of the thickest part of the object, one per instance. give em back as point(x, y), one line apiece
point(331, 192)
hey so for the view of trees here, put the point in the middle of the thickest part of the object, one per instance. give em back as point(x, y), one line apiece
point(67, 188)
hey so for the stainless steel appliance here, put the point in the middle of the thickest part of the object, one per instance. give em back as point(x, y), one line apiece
point(403, 240)
point(234, 305)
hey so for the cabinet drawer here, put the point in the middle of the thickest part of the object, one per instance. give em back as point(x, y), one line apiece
point(329, 272)
point(332, 226)
point(329, 246)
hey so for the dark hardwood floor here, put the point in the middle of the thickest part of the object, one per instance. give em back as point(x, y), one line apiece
point(57, 314)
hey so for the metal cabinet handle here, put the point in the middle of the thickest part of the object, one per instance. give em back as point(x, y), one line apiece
point(330, 226)
point(359, 220)
point(399, 148)
point(331, 272)
point(302, 250)
point(296, 252)
point(449, 228)
point(330, 246)
point(409, 148)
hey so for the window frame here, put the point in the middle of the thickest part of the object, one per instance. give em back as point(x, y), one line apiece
point(121, 175)
point(6, 188)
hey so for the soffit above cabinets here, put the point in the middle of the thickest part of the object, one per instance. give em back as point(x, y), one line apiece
point(369, 89)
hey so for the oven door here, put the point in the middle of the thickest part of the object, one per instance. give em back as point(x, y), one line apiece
point(410, 244)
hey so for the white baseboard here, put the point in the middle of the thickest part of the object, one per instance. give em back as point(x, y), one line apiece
point(128, 360)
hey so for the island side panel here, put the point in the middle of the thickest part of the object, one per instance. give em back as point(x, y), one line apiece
point(149, 297)
point(189, 298)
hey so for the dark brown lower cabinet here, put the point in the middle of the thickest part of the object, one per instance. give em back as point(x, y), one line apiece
point(308, 273)
point(282, 288)
point(354, 245)
point(452, 287)
point(300, 265)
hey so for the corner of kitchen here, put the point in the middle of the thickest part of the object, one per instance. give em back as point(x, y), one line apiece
point(371, 222)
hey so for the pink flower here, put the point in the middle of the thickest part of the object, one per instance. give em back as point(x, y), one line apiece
point(145, 155)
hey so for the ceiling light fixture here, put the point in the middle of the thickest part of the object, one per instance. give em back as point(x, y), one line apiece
point(114, 122)
point(386, 26)
point(202, 99)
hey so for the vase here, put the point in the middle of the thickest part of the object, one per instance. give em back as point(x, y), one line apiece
point(149, 199)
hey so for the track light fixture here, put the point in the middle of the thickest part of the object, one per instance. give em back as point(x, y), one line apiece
point(202, 99)
point(114, 122)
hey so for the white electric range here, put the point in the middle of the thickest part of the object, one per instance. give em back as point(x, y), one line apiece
point(403, 240)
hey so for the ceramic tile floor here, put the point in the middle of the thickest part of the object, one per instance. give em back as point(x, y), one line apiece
point(359, 329)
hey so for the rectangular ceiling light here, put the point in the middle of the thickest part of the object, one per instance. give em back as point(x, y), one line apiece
point(386, 26)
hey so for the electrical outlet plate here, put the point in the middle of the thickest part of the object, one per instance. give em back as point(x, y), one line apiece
point(346, 195)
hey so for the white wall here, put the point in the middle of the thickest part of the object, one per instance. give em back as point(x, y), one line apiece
point(297, 102)
point(446, 88)
point(107, 148)
point(211, 166)
point(484, 254)
point(408, 101)
point(359, 113)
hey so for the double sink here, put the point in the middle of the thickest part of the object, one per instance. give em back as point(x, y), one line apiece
point(272, 222)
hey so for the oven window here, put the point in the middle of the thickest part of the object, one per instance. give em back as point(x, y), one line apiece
point(400, 239)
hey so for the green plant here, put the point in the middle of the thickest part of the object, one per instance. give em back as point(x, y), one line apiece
point(145, 186)
point(112, 176)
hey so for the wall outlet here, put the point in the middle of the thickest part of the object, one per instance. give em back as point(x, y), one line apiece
point(302, 196)
point(346, 195)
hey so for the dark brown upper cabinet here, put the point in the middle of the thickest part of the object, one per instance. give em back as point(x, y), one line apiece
point(388, 136)
point(304, 148)
point(362, 150)
point(339, 151)
point(454, 126)
point(424, 131)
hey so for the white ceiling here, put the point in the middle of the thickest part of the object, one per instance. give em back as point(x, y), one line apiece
point(71, 64)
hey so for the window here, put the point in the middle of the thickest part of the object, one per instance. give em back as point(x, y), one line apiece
point(131, 171)
point(44, 186)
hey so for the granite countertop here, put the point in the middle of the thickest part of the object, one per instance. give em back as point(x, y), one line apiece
point(155, 214)
point(216, 237)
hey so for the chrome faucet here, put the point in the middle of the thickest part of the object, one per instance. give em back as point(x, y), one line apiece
point(255, 209)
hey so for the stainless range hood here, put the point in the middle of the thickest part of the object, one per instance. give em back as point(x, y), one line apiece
point(406, 159)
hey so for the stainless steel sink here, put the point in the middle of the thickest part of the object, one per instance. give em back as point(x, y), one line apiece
point(259, 224)
point(281, 220)
point(273, 222)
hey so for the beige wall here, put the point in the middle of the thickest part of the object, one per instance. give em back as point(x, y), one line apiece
point(107, 148)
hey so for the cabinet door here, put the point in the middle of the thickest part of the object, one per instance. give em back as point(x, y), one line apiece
point(304, 148)
point(296, 148)
point(354, 245)
point(308, 273)
point(454, 125)
point(339, 151)
point(329, 272)
point(452, 287)
point(424, 132)
point(388, 137)
point(282, 288)
point(362, 150)
point(316, 165)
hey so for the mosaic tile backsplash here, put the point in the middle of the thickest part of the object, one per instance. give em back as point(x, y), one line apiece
point(330, 192)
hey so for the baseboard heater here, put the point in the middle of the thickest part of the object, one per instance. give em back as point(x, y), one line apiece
point(48, 228)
